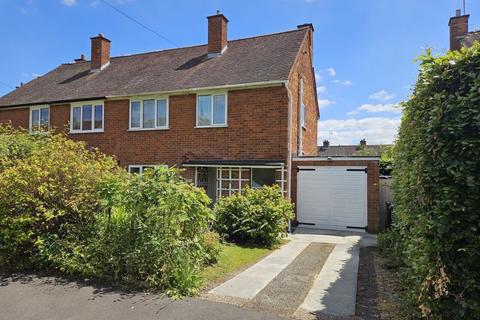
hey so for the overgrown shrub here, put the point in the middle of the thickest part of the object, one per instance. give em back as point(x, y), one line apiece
point(258, 216)
point(47, 183)
point(437, 188)
point(71, 209)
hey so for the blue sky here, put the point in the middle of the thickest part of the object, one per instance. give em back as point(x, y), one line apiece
point(364, 49)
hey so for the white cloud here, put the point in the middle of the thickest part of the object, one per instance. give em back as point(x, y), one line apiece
point(323, 103)
point(331, 72)
point(321, 89)
point(382, 95)
point(388, 107)
point(343, 82)
point(69, 3)
point(376, 130)
point(318, 76)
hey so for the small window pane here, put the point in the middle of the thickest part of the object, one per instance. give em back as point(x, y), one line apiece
point(135, 115)
point(263, 177)
point(204, 110)
point(98, 117)
point(135, 170)
point(44, 118)
point(87, 117)
point(35, 119)
point(162, 113)
point(149, 113)
point(219, 109)
point(77, 114)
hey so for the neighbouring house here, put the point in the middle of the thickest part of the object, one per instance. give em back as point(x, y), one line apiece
point(361, 149)
point(459, 34)
point(231, 113)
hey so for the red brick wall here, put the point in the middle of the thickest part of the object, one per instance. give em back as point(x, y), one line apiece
point(302, 69)
point(373, 210)
point(100, 53)
point(257, 129)
point(17, 117)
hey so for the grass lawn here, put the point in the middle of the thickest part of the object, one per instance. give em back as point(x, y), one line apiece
point(232, 259)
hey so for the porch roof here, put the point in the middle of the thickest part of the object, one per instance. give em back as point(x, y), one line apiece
point(236, 163)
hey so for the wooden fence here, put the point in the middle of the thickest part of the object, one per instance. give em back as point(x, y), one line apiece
point(386, 195)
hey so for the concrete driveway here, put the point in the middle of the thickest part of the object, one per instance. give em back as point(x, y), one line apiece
point(314, 274)
point(29, 297)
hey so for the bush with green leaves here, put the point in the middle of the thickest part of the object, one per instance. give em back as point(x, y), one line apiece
point(258, 216)
point(47, 183)
point(437, 188)
point(68, 208)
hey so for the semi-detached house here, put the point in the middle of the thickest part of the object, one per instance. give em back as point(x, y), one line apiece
point(231, 113)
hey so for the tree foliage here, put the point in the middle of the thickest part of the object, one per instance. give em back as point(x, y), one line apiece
point(437, 188)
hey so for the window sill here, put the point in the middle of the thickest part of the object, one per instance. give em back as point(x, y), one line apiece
point(86, 131)
point(148, 129)
point(213, 126)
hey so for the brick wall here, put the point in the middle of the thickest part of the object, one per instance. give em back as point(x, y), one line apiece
point(17, 117)
point(302, 69)
point(373, 200)
point(257, 129)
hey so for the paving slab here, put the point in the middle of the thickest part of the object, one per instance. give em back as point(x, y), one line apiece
point(250, 282)
point(334, 290)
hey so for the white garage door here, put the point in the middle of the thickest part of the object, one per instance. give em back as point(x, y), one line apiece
point(332, 197)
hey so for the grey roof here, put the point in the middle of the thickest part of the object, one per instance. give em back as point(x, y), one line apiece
point(257, 59)
point(468, 39)
point(349, 151)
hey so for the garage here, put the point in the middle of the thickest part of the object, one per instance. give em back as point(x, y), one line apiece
point(337, 194)
point(332, 197)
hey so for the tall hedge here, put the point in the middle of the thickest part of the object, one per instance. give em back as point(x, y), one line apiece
point(437, 187)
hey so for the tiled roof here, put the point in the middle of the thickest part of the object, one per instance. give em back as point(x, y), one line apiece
point(257, 59)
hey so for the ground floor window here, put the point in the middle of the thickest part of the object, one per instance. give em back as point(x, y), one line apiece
point(139, 169)
point(224, 181)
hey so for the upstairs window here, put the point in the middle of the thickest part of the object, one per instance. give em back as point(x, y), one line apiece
point(149, 114)
point(87, 117)
point(39, 119)
point(211, 110)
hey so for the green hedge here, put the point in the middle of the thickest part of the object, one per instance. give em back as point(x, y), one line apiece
point(258, 216)
point(437, 188)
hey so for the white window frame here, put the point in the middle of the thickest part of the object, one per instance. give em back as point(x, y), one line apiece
point(212, 94)
point(142, 167)
point(80, 105)
point(141, 99)
point(39, 107)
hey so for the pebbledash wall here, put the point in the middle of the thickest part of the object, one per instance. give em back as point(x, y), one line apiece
point(373, 188)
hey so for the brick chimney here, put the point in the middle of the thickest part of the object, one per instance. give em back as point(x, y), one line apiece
point(458, 28)
point(217, 34)
point(100, 57)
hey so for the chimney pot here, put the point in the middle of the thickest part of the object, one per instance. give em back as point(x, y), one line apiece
point(100, 55)
point(217, 34)
point(326, 143)
point(458, 12)
point(363, 142)
point(82, 58)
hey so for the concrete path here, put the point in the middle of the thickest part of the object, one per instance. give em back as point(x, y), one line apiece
point(334, 288)
point(29, 297)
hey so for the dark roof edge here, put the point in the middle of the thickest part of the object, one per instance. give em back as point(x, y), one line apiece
point(50, 102)
point(234, 162)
